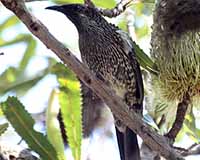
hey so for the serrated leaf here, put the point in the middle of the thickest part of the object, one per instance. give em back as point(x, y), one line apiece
point(144, 60)
point(53, 127)
point(23, 124)
point(70, 102)
point(3, 128)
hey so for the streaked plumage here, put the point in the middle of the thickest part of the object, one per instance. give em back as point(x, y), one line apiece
point(109, 53)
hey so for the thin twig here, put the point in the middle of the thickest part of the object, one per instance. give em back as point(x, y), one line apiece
point(117, 10)
point(120, 110)
point(162, 121)
point(89, 3)
point(180, 117)
point(192, 146)
point(192, 151)
point(189, 151)
point(130, 24)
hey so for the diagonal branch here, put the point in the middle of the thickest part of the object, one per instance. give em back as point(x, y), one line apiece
point(132, 120)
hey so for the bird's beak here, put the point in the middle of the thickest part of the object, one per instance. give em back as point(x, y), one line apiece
point(56, 8)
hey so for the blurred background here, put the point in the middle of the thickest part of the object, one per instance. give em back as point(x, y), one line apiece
point(25, 68)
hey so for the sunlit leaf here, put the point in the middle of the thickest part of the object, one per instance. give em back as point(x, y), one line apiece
point(10, 22)
point(18, 39)
point(3, 128)
point(70, 101)
point(100, 3)
point(192, 131)
point(105, 4)
point(8, 76)
point(30, 51)
point(1, 112)
point(23, 124)
point(22, 85)
point(53, 127)
point(142, 31)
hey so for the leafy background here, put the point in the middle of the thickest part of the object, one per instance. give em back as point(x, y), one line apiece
point(28, 71)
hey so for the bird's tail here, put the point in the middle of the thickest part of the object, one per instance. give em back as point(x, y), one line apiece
point(128, 145)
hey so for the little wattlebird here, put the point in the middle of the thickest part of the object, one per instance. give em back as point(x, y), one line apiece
point(109, 53)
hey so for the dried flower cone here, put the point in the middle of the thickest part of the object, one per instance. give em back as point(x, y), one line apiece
point(176, 48)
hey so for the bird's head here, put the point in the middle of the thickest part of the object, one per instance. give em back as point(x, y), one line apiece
point(82, 16)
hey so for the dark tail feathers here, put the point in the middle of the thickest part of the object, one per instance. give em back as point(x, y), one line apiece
point(128, 145)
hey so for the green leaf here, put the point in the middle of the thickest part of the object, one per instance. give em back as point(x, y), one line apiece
point(1, 112)
point(10, 22)
point(98, 3)
point(70, 102)
point(53, 127)
point(18, 39)
point(3, 128)
point(144, 60)
point(23, 124)
point(21, 86)
point(190, 127)
point(30, 51)
point(105, 4)
point(8, 76)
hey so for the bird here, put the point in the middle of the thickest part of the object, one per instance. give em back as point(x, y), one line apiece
point(108, 52)
point(175, 49)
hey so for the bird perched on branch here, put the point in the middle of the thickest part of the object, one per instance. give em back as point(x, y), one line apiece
point(109, 53)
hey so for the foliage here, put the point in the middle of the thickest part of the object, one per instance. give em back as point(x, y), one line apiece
point(23, 124)
point(16, 80)
point(3, 128)
point(53, 129)
point(70, 102)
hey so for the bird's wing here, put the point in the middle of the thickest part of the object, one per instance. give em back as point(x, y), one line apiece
point(128, 47)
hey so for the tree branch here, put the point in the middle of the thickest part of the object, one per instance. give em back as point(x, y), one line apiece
point(89, 3)
point(117, 10)
point(114, 12)
point(132, 120)
point(180, 117)
point(190, 151)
